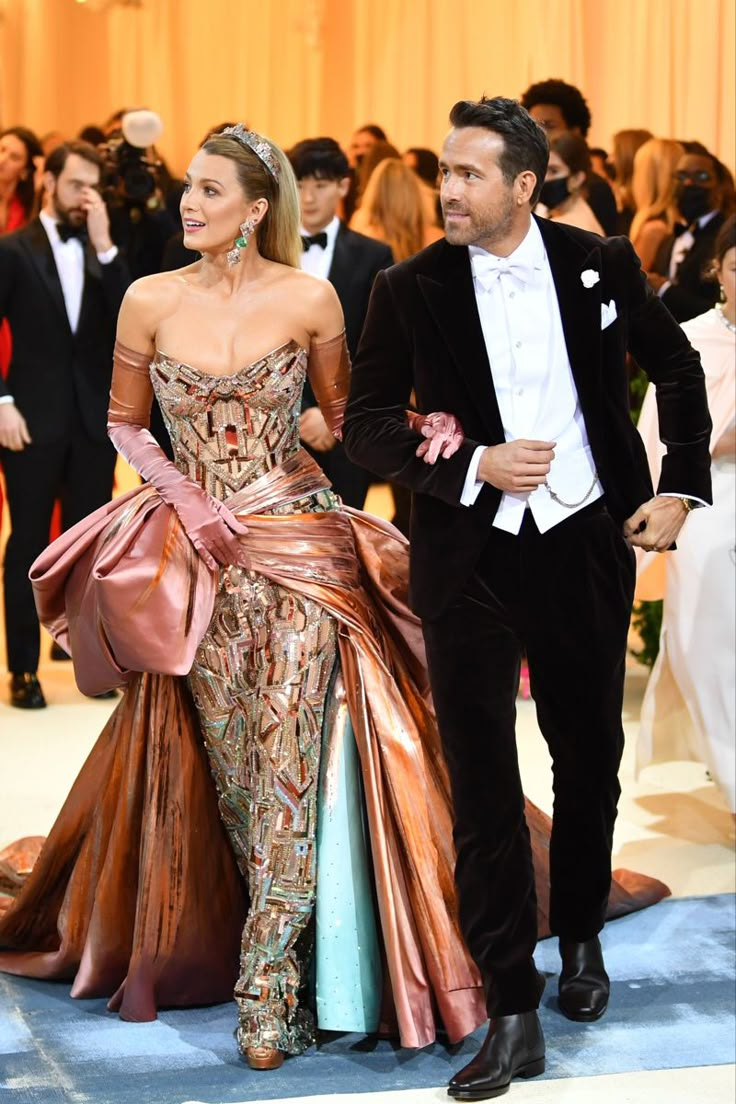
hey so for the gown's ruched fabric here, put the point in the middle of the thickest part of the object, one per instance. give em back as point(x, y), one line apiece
point(136, 893)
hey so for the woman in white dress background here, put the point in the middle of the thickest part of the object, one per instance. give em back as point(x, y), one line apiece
point(689, 709)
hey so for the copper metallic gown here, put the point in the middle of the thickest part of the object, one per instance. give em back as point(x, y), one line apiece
point(150, 872)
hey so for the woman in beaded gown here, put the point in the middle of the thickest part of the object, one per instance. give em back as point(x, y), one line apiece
point(304, 648)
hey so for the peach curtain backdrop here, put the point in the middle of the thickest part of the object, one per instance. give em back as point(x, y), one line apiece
point(299, 68)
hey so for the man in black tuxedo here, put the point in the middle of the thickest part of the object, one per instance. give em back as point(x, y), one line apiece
point(61, 285)
point(681, 277)
point(350, 262)
point(519, 327)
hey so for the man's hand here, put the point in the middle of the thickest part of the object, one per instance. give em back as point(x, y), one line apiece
point(518, 466)
point(314, 432)
point(655, 525)
point(98, 221)
point(14, 433)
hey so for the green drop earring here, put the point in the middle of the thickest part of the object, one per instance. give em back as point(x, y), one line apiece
point(247, 229)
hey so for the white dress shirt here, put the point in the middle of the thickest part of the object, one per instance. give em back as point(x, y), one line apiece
point(316, 260)
point(69, 260)
point(532, 378)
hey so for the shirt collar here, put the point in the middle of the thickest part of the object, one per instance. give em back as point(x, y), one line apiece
point(330, 230)
point(51, 226)
point(529, 252)
point(706, 218)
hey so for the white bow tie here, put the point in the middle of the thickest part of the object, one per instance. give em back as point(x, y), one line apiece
point(487, 269)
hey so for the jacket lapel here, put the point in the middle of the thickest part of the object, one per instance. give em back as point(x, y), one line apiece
point(340, 271)
point(450, 296)
point(580, 307)
point(42, 256)
point(92, 274)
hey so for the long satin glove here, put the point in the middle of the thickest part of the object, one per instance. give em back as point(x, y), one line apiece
point(211, 527)
point(443, 432)
point(329, 374)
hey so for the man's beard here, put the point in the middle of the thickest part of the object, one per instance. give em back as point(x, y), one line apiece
point(474, 232)
point(71, 216)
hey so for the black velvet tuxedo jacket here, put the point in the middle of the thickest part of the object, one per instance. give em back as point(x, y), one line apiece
point(693, 292)
point(58, 378)
point(423, 332)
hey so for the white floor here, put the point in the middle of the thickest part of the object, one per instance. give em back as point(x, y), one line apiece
point(673, 824)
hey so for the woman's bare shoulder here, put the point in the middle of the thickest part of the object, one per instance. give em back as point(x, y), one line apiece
point(157, 294)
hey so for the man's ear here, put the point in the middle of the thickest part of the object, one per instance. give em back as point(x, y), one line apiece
point(344, 187)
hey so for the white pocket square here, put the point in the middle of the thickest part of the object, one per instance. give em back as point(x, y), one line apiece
point(609, 314)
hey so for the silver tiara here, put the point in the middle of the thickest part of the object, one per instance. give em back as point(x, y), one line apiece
point(260, 146)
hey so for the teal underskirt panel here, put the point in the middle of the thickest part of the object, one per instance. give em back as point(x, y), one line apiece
point(348, 974)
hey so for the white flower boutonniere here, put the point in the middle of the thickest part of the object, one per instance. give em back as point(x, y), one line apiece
point(590, 277)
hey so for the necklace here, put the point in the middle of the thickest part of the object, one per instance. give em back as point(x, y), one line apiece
point(729, 325)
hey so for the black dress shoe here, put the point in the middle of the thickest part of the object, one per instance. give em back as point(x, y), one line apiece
point(584, 985)
point(26, 692)
point(58, 654)
point(513, 1047)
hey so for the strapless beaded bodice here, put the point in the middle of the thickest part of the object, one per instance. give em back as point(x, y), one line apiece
point(227, 431)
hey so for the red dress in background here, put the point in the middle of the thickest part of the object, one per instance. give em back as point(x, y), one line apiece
point(16, 219)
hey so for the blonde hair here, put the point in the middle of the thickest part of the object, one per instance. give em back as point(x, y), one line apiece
point(277, 235)
point(625, 145)
point(653, 183)
point(393, 207)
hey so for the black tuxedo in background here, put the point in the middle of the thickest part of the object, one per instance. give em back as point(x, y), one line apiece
point(564, 596)
point(60, 382)
point(692, 292)
point(356, 261)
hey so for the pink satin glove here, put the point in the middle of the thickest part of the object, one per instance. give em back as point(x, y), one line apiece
point(213, 529)
point(443, 432)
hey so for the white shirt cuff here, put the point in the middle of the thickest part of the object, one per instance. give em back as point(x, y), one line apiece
point(676, 494)
point(109, 255)
point(473, 486)
point(6, 399)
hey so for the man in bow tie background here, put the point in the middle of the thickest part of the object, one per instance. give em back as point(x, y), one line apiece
point(61, 285)
point(521, 540)
point(680, 273)
point(350, 261)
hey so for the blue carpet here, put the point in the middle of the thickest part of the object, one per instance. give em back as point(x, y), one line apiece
point(672, 1005)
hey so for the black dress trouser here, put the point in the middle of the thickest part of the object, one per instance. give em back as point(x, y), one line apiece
point(79, 472)
point(565, 598)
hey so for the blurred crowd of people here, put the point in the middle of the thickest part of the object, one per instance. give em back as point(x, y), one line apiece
point(87, 215)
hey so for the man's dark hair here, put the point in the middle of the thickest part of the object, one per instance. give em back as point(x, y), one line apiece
point(373, 128)
point(57, 159)
point(428, 165)
point(567, 97)
point(525, 145)
point(321, 158)
point(93, 134)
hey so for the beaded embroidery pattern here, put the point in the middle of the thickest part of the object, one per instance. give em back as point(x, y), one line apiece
point(259, 683)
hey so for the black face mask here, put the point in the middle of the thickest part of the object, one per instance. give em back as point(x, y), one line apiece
point(554, 192)
point(693, 201)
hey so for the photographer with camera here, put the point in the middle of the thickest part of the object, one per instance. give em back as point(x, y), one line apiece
point(62, 281)
point(135, 186)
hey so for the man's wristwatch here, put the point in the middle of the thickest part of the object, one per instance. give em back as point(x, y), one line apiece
point(688, 504)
